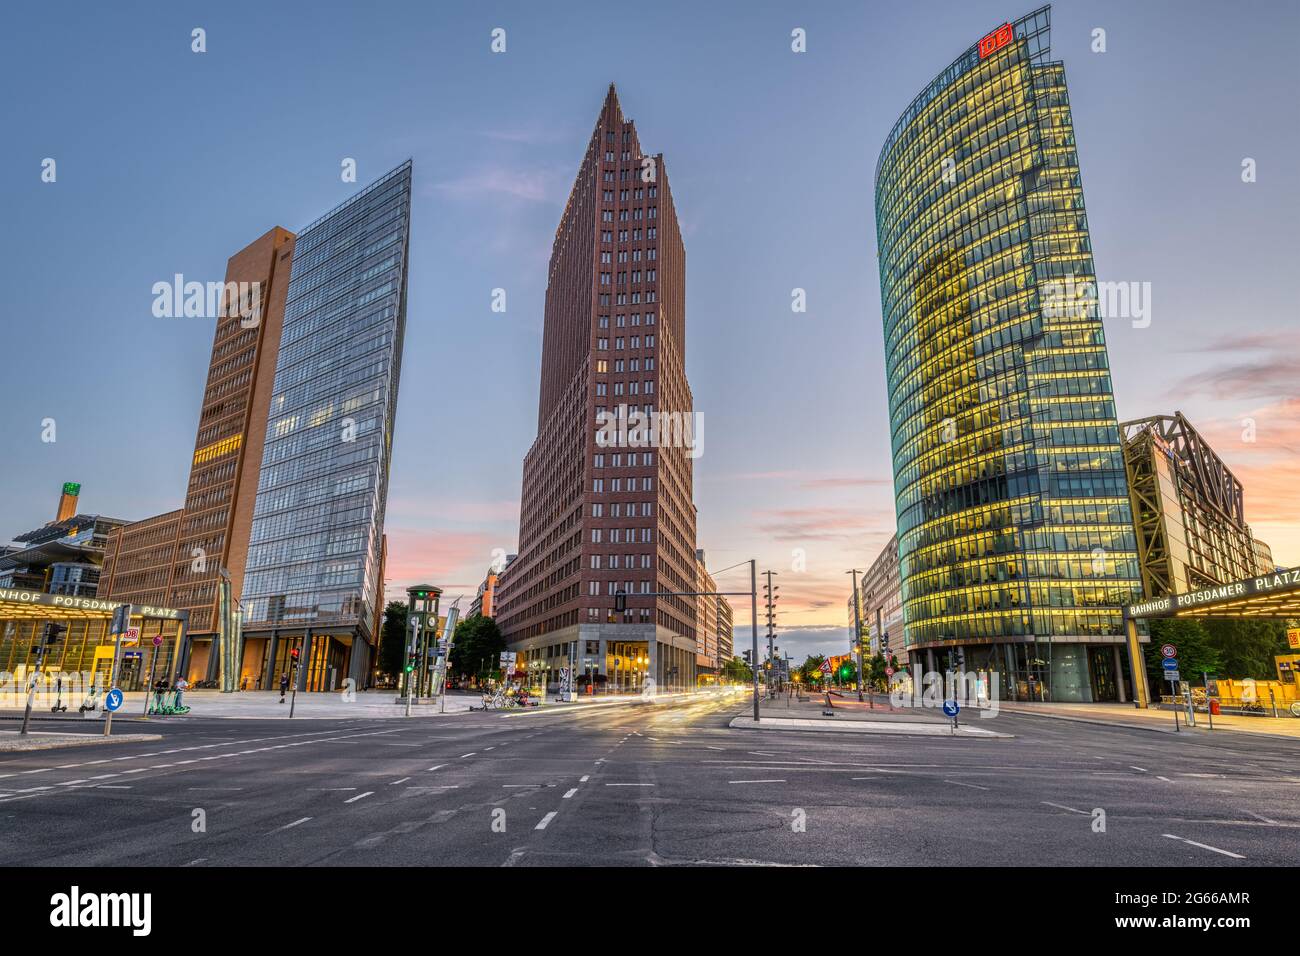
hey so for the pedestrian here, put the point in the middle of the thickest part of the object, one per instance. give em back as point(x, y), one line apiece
point(182, 685)
point(284, 686)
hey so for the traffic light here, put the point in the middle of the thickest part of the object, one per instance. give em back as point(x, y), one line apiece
point(620, 602)
point(410, 663)
point(293, 655)
point(53, 632)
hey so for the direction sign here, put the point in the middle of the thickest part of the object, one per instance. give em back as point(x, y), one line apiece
point(1168, 650)
point(951, 708)
point(1170, 663)
point(1172, 676)
point(112, 700)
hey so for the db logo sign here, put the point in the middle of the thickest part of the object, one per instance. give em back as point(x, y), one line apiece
point(996, 40)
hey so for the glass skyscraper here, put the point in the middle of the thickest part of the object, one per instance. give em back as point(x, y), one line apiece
point(314, 575)
point(1015, 536)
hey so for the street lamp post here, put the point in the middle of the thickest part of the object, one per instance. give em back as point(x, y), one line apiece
point(857, 627)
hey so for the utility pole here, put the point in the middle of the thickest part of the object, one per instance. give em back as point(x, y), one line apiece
point(120, 624)
point(50, 635)
point(770, 591)
point(857, 627)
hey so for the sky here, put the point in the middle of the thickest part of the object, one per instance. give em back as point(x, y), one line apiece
point(168, 161)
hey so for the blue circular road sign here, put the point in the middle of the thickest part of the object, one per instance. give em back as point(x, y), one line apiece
point(113, 700)
point(950, 708)
point(1170, 663)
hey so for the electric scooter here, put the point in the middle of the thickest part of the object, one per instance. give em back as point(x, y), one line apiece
point(59, 705)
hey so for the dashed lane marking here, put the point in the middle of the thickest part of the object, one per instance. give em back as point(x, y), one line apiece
point(1205, 846)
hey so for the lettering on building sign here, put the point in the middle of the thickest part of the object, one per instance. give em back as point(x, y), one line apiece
point(996, 40)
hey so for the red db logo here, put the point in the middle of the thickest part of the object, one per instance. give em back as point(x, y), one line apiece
point(996, 40)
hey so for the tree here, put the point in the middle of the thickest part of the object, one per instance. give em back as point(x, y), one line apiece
point(393, 639)
point(476, 647)
point(875, 671)
point(1245, 647)
point(1196, 653)
point(736, 671)
point(811, 668)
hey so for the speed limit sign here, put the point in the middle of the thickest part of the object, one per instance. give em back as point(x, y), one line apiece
point(1168, 650)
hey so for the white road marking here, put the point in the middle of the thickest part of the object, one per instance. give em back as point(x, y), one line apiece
point(470, 754)
point(584, 778)
point(569, 794)
point(1259, 816)
point(396, 782)
point(1165, 779)
point(545, 820)
point(1139, 769)
point(1061, 806)
point(289, 826)
point(958, 783)
point(755, 781)
point(359, 796)
point(1205, 846)
point(438, 767)
point(629, 784)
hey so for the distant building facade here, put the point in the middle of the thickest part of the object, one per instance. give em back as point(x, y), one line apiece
point(314, 576)
point(604, 518)
point(177, 558)
point(1188, 509)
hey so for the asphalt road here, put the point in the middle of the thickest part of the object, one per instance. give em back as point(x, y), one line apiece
point(647, 784)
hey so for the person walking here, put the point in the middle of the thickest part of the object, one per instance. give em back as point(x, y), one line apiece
point(284, 686)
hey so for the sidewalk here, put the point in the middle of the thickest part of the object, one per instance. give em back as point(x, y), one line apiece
point(1126, 715)
point(260, 705)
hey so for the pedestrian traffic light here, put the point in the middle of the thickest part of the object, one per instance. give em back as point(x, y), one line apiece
point(293, 655)
point(54, 631)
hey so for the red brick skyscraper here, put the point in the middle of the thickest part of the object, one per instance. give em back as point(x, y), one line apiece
point(596, 518)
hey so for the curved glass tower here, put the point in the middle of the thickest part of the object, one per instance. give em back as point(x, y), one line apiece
point(1015, 538)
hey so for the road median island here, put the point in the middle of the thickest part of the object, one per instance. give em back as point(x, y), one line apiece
point(896, 728)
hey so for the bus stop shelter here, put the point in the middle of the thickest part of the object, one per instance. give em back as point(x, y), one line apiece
point(1275, 595)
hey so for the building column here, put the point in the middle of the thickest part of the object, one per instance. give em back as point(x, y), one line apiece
point(270, 679)
point(1119, 675)
point(1141, 695)
point(304, 662)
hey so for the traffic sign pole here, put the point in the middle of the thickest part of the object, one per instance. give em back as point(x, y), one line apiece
point(153, 662)
point(121, 621)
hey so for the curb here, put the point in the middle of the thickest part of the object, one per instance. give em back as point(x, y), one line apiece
point(39, 742)
point(1154, 730)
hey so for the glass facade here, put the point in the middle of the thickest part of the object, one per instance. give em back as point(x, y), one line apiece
point(316, 540)
point(1014, 524)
